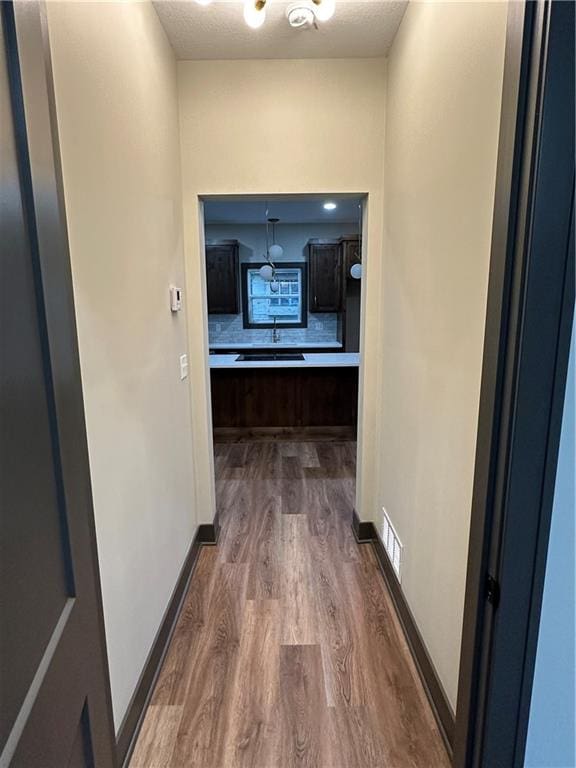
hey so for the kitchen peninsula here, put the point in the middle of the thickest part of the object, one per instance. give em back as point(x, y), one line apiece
point(286, 391)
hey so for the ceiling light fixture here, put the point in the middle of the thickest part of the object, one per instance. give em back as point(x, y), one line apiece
point(255, 13)
point(324, 9)
point(330, 206)
point(300, 15)
point(305, 13)
point(203, 2)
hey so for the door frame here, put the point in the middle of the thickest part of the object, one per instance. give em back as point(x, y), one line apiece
point(202, 240)
point(528, 327)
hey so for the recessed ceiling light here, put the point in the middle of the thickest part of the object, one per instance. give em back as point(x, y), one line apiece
point(330, 206)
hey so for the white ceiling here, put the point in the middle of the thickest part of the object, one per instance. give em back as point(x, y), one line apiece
point(305, 209)
point(358, 29)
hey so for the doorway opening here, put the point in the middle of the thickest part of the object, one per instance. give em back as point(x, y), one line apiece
point(283, 308)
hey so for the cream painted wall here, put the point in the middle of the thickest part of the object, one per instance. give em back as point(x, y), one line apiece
point(444, 89)
point(115, 79)
point(277, 127)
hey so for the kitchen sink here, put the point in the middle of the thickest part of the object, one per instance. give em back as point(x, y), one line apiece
point(248, 358)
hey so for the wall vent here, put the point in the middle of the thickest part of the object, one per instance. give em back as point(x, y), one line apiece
point(392, 544)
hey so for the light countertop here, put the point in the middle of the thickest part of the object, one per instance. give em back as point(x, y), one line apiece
point(279, 345)
point(318, 360)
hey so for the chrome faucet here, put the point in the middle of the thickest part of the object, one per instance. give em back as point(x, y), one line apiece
point(275, 333)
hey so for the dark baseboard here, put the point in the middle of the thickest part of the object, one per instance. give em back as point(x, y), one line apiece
point(132, 722)
point(208, 532)
point(365, 532)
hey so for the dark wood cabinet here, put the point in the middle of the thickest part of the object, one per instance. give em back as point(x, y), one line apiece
point(250, 398)
point(351, 254)
point(325, 275)
point(222, 277)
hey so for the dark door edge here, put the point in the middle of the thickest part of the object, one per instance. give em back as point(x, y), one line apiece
point(528, 324)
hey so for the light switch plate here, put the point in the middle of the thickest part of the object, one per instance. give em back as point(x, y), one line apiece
point(183, 367)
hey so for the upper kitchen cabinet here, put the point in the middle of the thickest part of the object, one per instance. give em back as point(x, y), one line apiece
point(351, 253)
point(325, 274)
point(222, 277)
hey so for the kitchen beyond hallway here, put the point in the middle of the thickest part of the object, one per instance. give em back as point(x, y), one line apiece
point(287, 651)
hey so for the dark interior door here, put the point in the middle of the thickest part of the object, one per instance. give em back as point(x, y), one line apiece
point(54, 692)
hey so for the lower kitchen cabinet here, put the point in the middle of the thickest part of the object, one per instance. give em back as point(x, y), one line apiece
point(247, 398)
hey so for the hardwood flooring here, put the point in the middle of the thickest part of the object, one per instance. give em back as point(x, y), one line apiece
point(288, 652)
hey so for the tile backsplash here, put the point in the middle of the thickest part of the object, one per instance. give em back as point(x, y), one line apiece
point(228, 329)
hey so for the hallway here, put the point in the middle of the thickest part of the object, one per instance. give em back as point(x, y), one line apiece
point(287, 651)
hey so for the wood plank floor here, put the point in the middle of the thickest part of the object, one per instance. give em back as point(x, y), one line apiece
point(288, 652)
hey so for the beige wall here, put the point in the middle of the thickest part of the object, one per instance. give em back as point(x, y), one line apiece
point(115, 79)
point(444, 88)
point(277, 127)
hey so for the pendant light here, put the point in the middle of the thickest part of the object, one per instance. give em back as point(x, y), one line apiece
point(356, 269)
point(275, 251)
point(267, 270)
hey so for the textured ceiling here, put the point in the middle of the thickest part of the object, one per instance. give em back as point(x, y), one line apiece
point(358, 29)
point(302, 210)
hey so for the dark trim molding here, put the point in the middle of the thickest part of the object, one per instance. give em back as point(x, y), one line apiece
point(366, 533)
point(363, 532)
point(206, 534)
